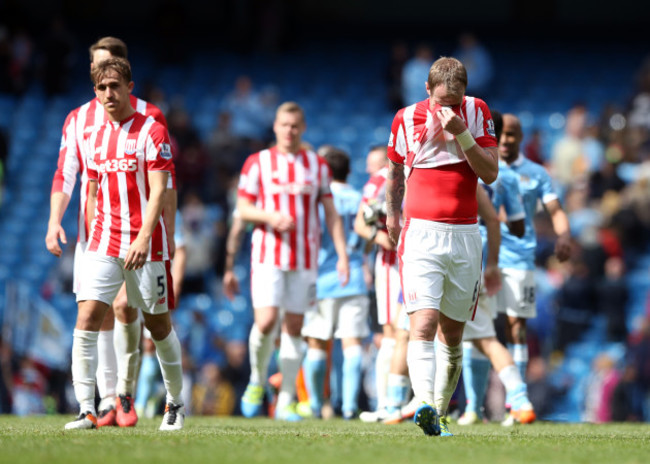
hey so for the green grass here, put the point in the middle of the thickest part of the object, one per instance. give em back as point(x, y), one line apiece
point(237, 440)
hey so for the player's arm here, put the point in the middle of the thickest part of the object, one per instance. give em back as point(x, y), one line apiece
point(490, 218)
point(58, 203)
point(371, 233)
point(179, 263)
point(395, 188)
point(63, 183)
point(251, 213)
point(335, 228)
point(91, 202)
point(561, 227)
point(484, 161)
point(233, 243)
point(169, 217)
point(517, 228)
point(136, 256)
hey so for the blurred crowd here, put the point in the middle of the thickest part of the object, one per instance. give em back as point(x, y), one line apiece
point(601, 165)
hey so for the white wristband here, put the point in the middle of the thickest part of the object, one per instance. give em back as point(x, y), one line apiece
point(465, 140)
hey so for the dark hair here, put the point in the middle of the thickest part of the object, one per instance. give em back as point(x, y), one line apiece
point(113, 45)
point(339, 163)
point(498, 123)
point(120, 65)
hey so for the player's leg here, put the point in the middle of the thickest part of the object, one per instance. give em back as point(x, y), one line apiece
point(317, 329)
point(399, 384)
point(127, 348)
point(148, 377)
point(266, 284)
point(99, 286)
point(352, 327)
point(517, 342)
point(516, 390)
point(146, 288)
point(106, 371)
point(459, 303)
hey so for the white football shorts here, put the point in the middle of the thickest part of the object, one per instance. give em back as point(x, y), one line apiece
point(77, 270)
point(441, 267)
point(146, 288)
point(387, 288)
point(483, 324)
point(293, 291)
point(344, 317)
point(517, 297)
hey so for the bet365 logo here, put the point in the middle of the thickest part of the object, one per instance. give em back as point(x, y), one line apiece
point(115, 165)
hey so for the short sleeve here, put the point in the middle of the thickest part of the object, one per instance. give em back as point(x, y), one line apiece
point(547, 190)
point(484, 132)
point(324, 178)
point(158, 151)
point(397, 146)
point(249, 179)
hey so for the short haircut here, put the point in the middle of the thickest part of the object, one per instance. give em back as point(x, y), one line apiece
point(120, 65)
point(113, 45)
point(338, 161)
point(498, 123)
point(290, 107)
point(449, 72)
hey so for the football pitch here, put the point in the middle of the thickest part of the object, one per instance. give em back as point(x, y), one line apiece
point(241, 441)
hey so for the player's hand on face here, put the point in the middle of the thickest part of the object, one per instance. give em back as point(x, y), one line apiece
point(563, 247)
point(136, 256)
point(450, 121)
point(383, 240)
point(230, 285)
point(55, 233)
point(394, 229)
point(492, 278)
point(282, 222)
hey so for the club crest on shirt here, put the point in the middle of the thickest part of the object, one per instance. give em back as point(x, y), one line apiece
point(490, 128)
point(129, 147)
point(166, 151)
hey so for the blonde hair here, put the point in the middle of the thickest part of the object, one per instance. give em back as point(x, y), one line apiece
point(120, 65)
point(449, 72)
point(290, 107)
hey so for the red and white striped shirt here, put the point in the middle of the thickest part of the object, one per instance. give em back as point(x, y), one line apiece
point(441, 184)
point(121, 156)
point(79, 124)
point(375, 190)
point(292, 184)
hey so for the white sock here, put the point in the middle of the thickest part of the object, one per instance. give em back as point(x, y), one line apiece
point(127, 343)
point(106, 368)
point(84, 368)
point(382, 369)
point(170, 359)
point(290, 358)
point(260, 349)
point(421, 359)
point(449, 361)
point(510, 377)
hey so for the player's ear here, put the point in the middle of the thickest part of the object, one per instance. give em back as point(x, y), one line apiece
point(426, 84)
point(130, 86)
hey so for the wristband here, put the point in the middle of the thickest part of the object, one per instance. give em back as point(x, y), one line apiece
point(465, 140)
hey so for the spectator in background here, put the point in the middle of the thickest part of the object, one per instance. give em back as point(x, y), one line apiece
point(478, 63)
point(533, 148)
point(396, 62)
point(415, 73)
point(5, 60)
point(58, 48)
point(20, 67)
point(212, 394)
point(612, 298)
point(250, 120)
point(201, 234)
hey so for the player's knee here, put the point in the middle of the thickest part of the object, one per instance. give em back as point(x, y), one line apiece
point(159, 326)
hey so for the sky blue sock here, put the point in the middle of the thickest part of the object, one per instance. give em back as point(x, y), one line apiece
point(351, 379)
point(314, 370)
point(147, 380)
